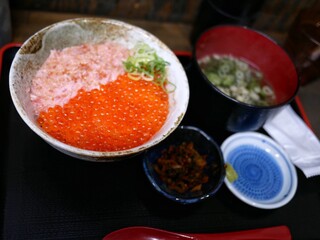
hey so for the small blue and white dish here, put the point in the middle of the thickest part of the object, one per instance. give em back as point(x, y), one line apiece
point(206, 146)
point(267, 178)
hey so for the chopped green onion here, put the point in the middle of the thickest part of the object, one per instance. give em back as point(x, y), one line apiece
point(145, 64)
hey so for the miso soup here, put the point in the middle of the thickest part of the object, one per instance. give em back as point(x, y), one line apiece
point(238, 79)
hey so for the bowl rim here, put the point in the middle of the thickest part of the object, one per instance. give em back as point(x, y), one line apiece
point(267, 37)
point(191, 199)
point(91, 155)
point(293, 173)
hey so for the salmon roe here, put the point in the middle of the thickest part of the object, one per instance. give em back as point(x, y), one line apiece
point(119, 115)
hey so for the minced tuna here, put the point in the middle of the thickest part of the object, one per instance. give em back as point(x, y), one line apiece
point(67, 71)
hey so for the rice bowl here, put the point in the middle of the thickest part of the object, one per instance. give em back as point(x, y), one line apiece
point(37, 48)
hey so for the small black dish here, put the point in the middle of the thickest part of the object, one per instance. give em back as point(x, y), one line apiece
point(206, 146)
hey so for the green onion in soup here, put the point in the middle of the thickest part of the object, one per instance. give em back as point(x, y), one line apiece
point(238, 79)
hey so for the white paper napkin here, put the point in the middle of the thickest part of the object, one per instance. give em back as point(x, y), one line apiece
point(301, 144)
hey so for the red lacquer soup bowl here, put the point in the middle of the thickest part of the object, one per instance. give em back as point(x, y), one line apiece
point(261, 53)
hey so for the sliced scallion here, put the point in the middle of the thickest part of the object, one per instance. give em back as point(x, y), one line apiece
point(145, 64)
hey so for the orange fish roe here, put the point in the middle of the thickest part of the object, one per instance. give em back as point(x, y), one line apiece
point(120, 115)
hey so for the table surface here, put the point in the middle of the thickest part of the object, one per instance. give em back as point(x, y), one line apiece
point(25, 23)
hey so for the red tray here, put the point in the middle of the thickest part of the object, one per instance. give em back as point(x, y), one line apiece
point(48, 195)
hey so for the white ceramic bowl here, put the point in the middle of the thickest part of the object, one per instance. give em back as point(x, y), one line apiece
point(266, 176)
point(72, 32)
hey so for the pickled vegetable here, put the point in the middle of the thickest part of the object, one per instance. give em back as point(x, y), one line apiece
point(182, 167)
point(231, 174)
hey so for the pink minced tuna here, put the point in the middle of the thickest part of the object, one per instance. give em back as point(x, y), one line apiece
point(67, 71)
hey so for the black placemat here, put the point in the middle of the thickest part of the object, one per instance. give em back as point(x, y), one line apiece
point(48, 195)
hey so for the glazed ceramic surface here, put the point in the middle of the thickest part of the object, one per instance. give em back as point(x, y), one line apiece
point(267, 178)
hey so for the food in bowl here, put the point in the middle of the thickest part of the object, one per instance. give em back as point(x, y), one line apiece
point(182, 168)
point(238, 79)
point(169, 78)
point(101, 97)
